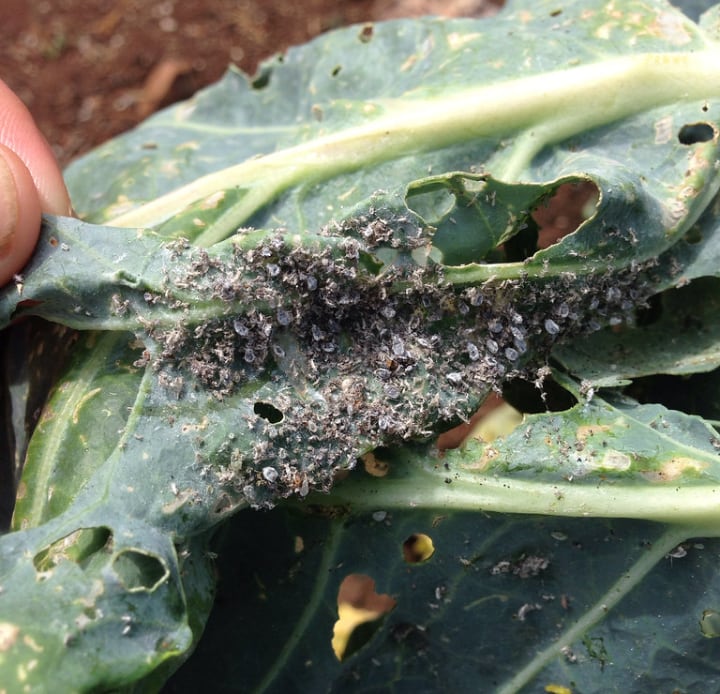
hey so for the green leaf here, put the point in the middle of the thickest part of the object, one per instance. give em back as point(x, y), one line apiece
point(505, 601)
point(680, 336)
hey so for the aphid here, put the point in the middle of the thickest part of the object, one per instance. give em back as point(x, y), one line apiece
point(384, 422)
point(517, 333)
point(387, 311)
point(240, 328)
point(516, 317)
point(455, 377)
point(551, 326)
point(475, 296)
point(398, 346)
point(495, 326)
point(492, 345)
point(613, 294)
point(391, 391)
point(284, 317)
point(473, 351)
point(562, 310)
point(270, 474)
point(511, 354)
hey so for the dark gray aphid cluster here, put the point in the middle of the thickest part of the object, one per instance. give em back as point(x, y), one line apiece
point(358, 353)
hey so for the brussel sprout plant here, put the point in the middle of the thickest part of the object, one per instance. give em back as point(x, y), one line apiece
point(238, 358)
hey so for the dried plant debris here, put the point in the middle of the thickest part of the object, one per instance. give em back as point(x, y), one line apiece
point(361, 340)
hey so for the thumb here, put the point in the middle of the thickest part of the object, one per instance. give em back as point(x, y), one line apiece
point(19, 214)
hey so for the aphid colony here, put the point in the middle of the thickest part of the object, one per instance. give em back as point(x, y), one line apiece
point(360, 352)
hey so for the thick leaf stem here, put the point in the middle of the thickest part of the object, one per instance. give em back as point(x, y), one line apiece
point(463, 491)
point(544, 108)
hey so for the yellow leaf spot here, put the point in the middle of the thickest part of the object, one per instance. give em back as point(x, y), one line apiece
point(188, 428)
point(557, 689)
point(674, 468)
point(213, 201)
point(30, 642)
point(615, 460)
point(8, 635)
point(84, 399)
point(589, 430)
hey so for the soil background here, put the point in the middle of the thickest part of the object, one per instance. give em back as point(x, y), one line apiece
point(90, 69)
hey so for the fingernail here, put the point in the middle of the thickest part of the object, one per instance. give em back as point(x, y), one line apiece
point(8, 205)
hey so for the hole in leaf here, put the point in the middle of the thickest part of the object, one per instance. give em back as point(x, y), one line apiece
point(361, 611)
point(268, 412)
point(692, 133)
point(418, 548)
point(373, 465)
point(223, 505)
point(651, 312)
point(262, 79)
point(710, 624)
point(693, 394)
point(139, 571)
point(694, 235)
point(528, 398)
point(432, 203)
point(564, 211)
point(498, 423)
point(455, 437)
point(79, 546)
point(366, 33)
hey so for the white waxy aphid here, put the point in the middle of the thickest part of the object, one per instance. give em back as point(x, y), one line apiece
point(511, 353)
point(551, 327)
point(270, 474)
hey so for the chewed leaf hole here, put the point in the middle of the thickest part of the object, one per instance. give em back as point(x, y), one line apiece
point(139, 571)
point(418, 548)
point(692, 133)
point(366, 32)
point(532, 398)
point(455, 437)
point(563, 212)
point(497, 424)
point(268, 412)
point(361, 611)
point(79, 547)
point(374, 465)
point(710, 624)
point(262, 79)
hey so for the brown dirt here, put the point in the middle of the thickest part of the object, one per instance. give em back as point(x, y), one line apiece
point(90, 69)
